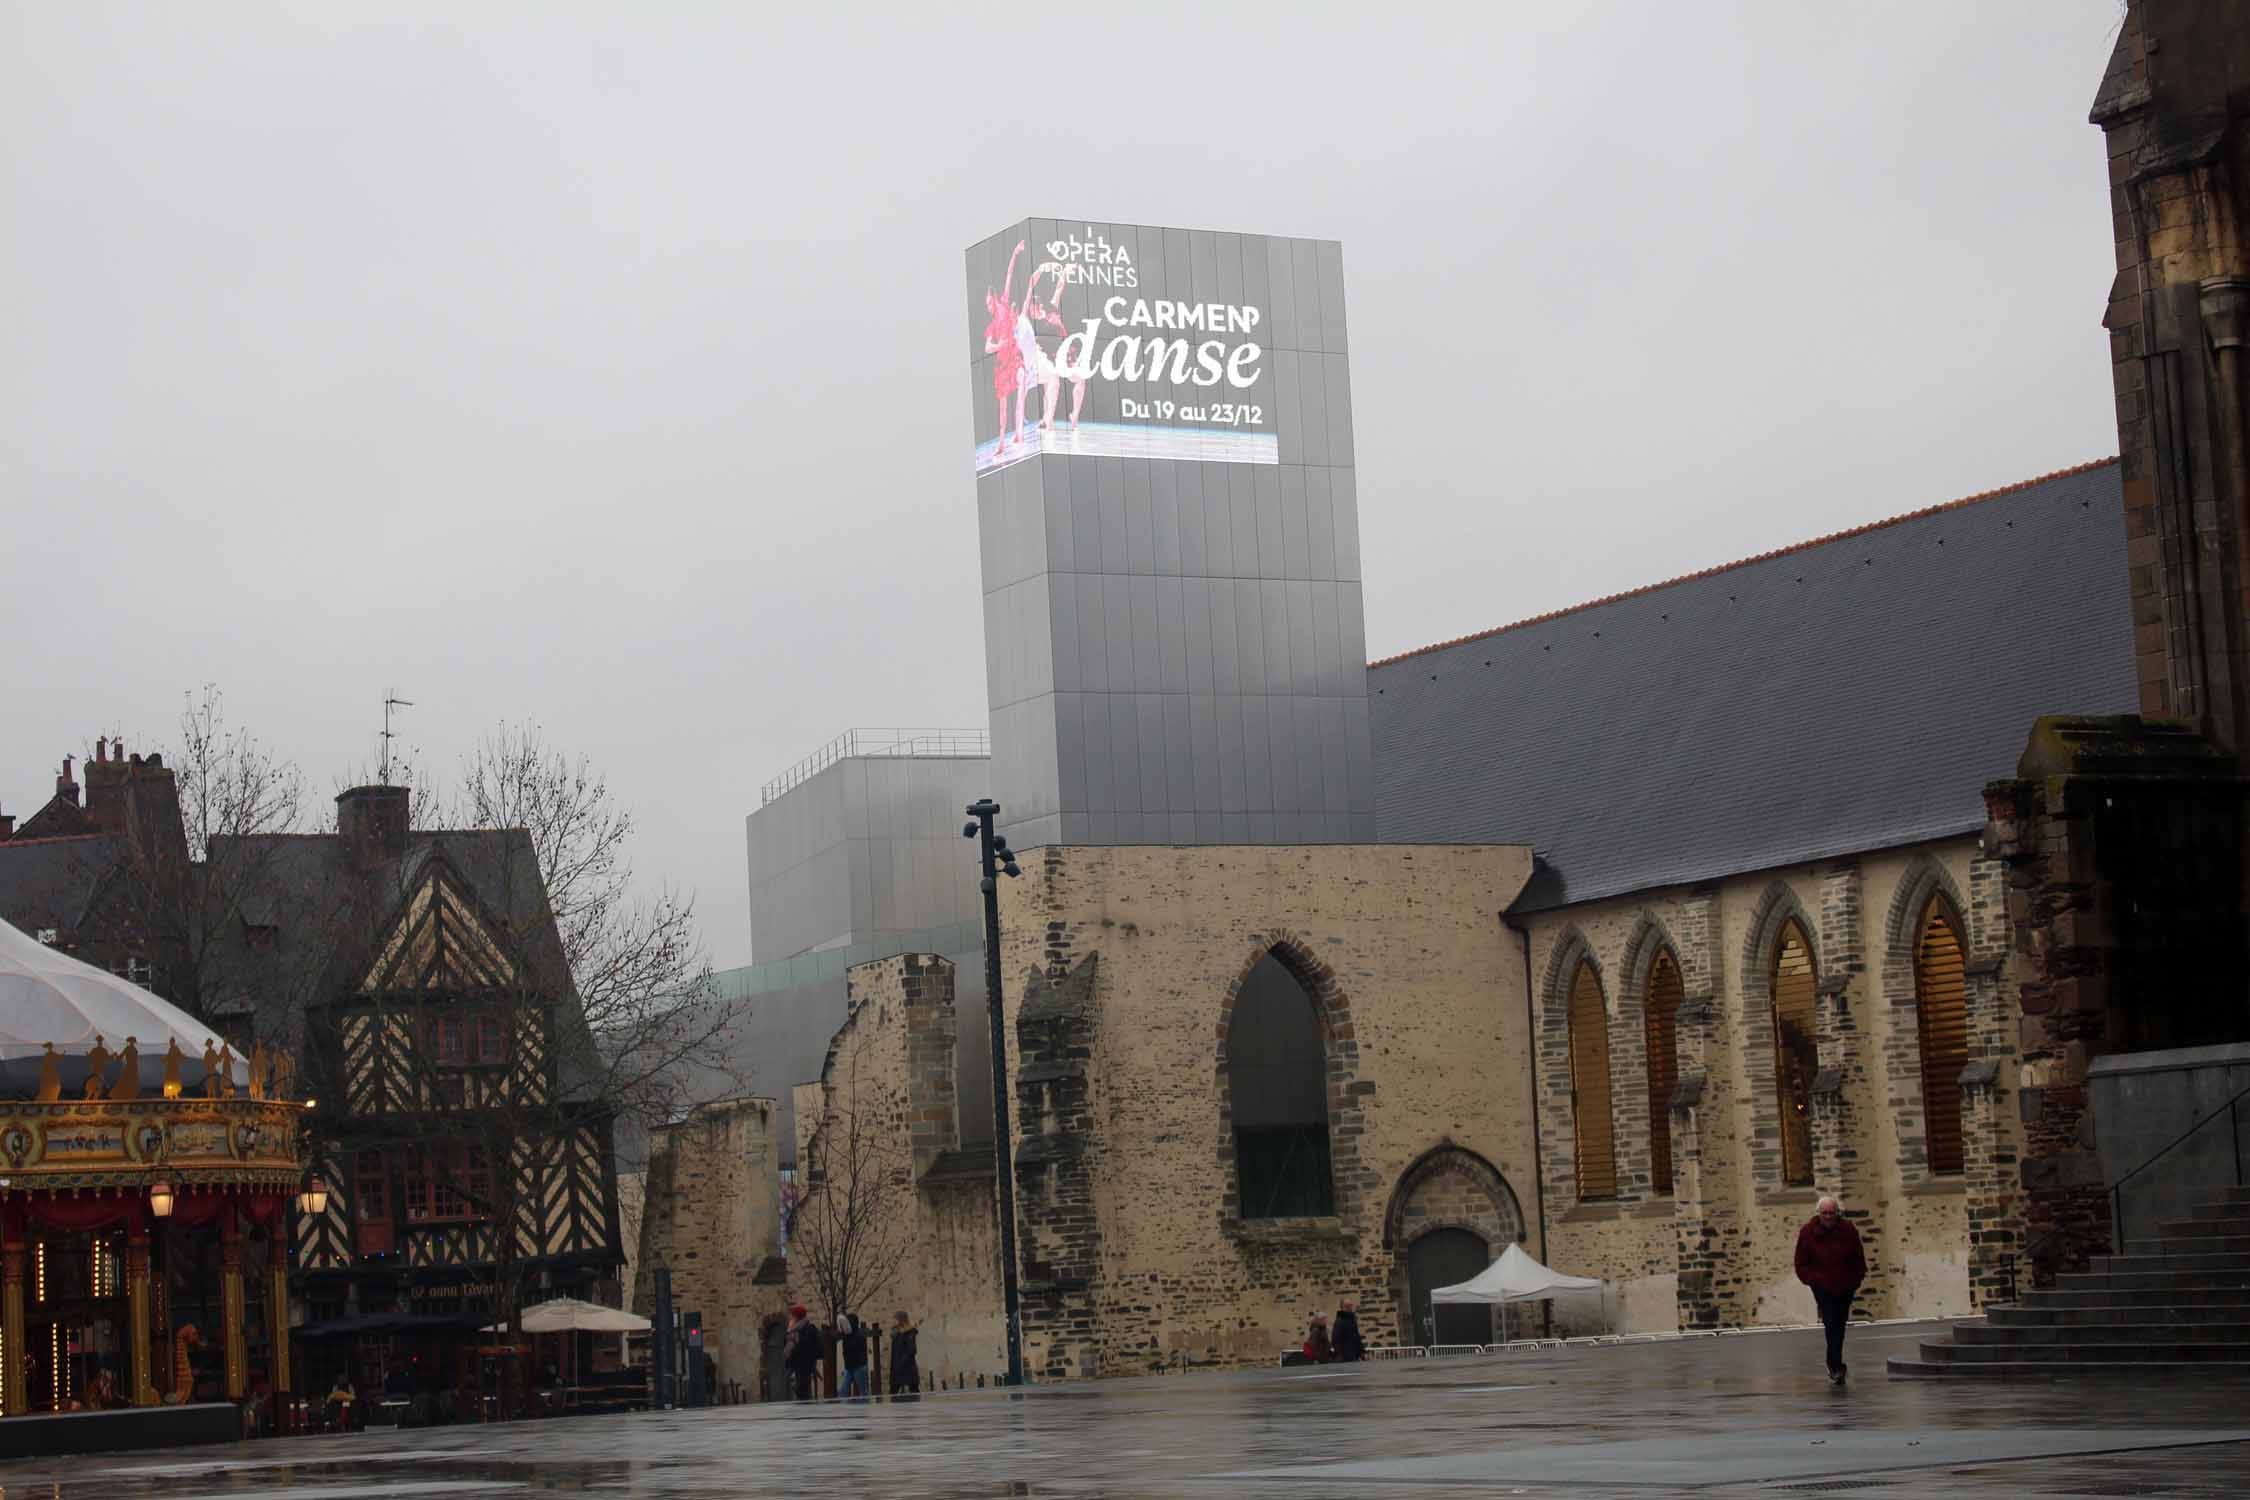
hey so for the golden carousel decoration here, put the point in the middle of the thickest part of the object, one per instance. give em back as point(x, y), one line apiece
point(142, 1167)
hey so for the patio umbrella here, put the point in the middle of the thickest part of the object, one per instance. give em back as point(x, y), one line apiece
point(569, 1315)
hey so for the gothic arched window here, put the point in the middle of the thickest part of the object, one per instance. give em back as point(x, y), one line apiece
point(1589, 1085)
point(1277, 1082)
point(1796, 1053)
point(1660, 1016)
point(1941, 1015)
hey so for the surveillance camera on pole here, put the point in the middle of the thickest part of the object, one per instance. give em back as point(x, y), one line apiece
point(998, 859)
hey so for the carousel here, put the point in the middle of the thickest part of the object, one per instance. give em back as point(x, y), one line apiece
point(147, 1178)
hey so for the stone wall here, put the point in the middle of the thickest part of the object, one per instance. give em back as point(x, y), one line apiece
point(2170, 107)
point(932, 1242)
point(1718, 1250)
point(2122, 845)
point(1120, 968)
point(712, 1215)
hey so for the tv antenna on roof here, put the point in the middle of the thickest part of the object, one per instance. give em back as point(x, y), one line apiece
point(390, 701)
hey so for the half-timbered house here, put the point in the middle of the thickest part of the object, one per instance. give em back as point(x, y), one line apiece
point(465, 1150)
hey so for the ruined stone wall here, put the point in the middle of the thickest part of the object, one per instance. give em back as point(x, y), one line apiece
point(1126, 1167)
point(711, 1213)
point(934, 1246)
point(1718, 1250)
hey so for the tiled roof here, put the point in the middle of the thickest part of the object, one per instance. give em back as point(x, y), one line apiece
point(1850, 693)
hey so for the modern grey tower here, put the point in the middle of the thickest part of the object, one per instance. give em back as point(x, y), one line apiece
point(1175, 650)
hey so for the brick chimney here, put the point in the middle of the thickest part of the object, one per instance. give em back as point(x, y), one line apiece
point(371, 820)
point(149, 810)
point(7, 826)
point(105, 786)
point(66, 785)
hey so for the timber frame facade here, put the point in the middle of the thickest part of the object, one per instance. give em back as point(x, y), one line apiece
point(469, 1167)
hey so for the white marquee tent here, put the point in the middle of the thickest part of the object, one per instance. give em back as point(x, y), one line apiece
point(1514, 1277)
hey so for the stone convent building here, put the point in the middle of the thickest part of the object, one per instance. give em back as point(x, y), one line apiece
point(1679, 918)
point(1621, 933)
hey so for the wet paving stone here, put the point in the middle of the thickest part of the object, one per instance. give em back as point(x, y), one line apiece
point(1723, 1417)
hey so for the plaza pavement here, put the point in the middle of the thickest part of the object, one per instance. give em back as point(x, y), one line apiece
point(1721, 1417)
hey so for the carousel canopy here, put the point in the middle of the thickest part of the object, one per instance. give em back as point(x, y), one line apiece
point(48, 996)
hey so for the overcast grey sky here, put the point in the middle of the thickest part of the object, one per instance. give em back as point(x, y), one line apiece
point(601, 365)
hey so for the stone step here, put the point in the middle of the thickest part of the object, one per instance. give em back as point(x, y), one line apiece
point(2173, 1260)
point(2165, 1296)
point(2104, 1333)
point(2154, 1281)
point(2102, 1314)
point(2219, 1208)
point(2234, 1226)
point(2137, 1371)
point(2173, 1352)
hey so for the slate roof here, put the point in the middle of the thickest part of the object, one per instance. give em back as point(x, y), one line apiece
point(52, 882)
point(329, 913)
point(1852, 693)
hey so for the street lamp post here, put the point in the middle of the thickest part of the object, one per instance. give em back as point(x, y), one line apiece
point(999, 860)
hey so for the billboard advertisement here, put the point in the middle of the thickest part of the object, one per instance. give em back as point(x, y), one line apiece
point(1123, 341)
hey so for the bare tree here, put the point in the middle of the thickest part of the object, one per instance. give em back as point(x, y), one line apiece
point(649, 1019)
point(847, 1230)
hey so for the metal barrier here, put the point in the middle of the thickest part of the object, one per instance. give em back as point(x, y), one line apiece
point(1605, 1340)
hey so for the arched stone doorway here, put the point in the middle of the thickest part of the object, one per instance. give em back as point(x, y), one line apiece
point(1450, 1210)
point(1444, 1257)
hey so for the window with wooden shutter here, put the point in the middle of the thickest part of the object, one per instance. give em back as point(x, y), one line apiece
point(1589, 1086)
point(1660, 1019)
point(1796, 1052)
point(371, 1201)
point(1941, 1014)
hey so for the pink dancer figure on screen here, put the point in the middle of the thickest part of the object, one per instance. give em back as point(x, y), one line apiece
point(1000, 340)
point(1053, 318)
point(1038, 367)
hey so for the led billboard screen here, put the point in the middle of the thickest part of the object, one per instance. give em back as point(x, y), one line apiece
point(1124, 341)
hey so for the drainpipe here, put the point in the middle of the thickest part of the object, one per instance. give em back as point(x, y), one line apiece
point(2224, 303)
point(1531, 1048)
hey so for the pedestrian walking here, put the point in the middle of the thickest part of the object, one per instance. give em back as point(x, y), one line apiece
point(1831, 1262)
point(800, 1353)
point(1346, 1344)
point(906, 1369)
point(1317, 1348)
point(853, 1357)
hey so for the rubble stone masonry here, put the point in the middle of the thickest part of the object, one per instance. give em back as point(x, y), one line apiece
point(713, 1216)
point(1718, 1251)
point(1120, 968)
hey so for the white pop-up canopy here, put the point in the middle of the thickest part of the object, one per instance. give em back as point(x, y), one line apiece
point(1514, 1277)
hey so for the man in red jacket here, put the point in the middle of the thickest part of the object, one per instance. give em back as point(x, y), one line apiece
point(1831, 1262)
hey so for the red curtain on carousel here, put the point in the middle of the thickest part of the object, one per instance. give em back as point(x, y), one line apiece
point(78, 1214)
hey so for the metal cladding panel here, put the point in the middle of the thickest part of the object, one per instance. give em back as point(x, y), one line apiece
point(871, 845)
point(1175, 648)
